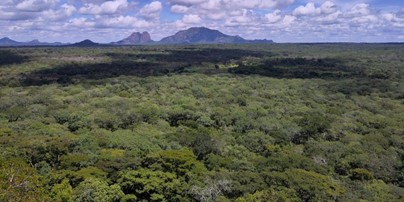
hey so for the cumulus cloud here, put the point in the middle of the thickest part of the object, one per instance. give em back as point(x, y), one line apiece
point(211, 5)
point(216, 15)
point(328, 7)
point(191, 19)
point(273, 17)
point(186, 2)
point(395, 19)
point(360, 10)
point(151, 11)
point(179, 9)
point(231, 4)
point(309, 9)
point(123, 22)
point(36, 5)
point(326, 13)
point(6, 15)
point(187, 21)
point(81, 23)
point(275, 3)
point(245, 17)
point(288, 20)
point(242, 4)
point(106, 8)
point(65, 11)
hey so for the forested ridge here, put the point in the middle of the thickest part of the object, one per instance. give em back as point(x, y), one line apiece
point(274, 122)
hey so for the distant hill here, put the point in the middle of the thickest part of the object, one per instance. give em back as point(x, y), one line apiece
point(8, 42)
point(197, 35)
point(135, 38)
point(203, 35)
point(85, 43)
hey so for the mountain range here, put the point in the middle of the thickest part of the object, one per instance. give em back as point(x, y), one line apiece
point(194, 35)
point(9, 42)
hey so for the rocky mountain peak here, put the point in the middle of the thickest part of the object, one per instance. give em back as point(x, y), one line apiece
point(136, 38)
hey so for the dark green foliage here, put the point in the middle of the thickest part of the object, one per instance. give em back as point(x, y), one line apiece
point(152, 185)
point(180, 162)
point(313, 125)
point(298, 68)
point(201, 140)
point(361, 174)
point(278, 195)
point(14, 113)
point(274, 122)
point(8, 57)
point(309, 186)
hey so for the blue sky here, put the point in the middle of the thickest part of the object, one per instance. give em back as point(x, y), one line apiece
point(279, 20)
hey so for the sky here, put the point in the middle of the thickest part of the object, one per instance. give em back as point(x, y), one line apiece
point(279, 20)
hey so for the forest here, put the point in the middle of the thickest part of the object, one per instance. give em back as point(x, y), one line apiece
point(242, 123)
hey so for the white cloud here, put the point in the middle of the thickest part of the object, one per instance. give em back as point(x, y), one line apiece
point(360, 10)
point(191, 19)
point(36, 5)
point(108, 7)
point(330, 18)
point(242, 4)
point(361, 20)
point(5, 15)
point(396, 20)
point(239, 4)
point(309, 9)
point(151, 11)
point(212, 5)
point(216, 15)
point(65, 11)
point(81, 22)
point(179, 9)
point(328, 7)
point(243, 18)
point(186, 2)
point(232, 4)
point(273, 17)
point(288, 20)
point(123, 22)
point(275, 3)
point(187, 21)
point(389, 16)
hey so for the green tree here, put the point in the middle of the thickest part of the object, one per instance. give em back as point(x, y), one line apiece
point(201, 140)
point(181, 162)
point(309, 186)
point(313, 124)
point(96, 190)
point(278, 194)
point(15, 113)
point(19, 182)
point(62, 192)
point(152, 185)
point(377, 190)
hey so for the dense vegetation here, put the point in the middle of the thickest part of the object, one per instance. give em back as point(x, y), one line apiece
point(278, 122)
